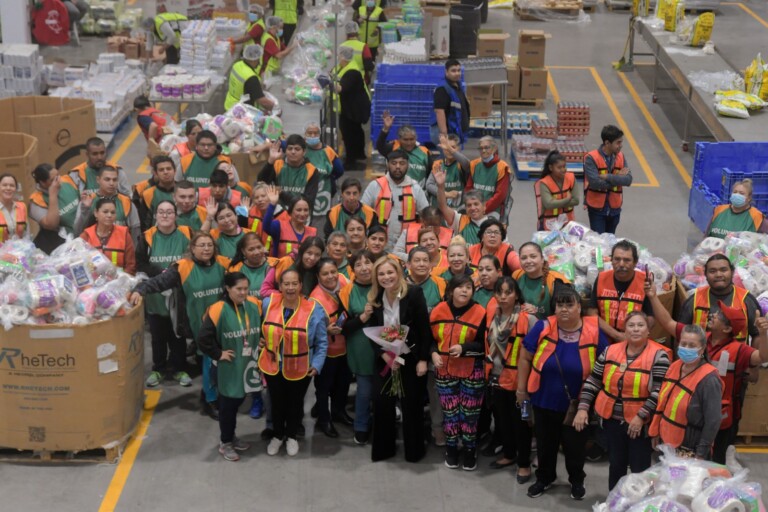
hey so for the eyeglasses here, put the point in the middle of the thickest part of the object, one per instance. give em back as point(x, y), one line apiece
point(165, 213)
point(204, 246)
point(493, 232)
point(485, 148)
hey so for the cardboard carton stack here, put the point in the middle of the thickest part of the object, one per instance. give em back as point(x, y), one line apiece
point(132, 47)
point(530, 56)
point(21, 70)
point(197, 41)
point(480, 97)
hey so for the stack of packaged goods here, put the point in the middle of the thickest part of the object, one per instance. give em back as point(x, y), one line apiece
point(197, 41)
point(573, 120)
point(21, 70)
point(229, 27)
point(110, 83)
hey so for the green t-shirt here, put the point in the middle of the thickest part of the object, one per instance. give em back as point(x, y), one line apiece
point(536, 292)
point(483, 296)
point(360, 354)
point(729, 222)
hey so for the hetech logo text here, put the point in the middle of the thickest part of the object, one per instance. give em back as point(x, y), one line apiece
point(16, 359)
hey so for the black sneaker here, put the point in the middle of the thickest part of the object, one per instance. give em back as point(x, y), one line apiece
point(470, 460)
point(537, 489)
point(451, 457)
point(578, 491)
point(360, 438)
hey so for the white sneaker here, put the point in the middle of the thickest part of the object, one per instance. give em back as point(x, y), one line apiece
point(274, 446)
point(292, 447)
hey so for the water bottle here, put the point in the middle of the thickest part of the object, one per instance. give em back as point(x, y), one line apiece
point(525, 410)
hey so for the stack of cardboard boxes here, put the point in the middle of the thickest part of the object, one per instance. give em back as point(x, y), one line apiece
point(133, 48)
point(480, 97)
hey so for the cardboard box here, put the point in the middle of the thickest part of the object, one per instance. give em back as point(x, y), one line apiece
point(132, 50)
point(533, 83)
point(491, 45)
point(72, 388)
point(754, 416)
point(18, 156)
point(480, 99)
point(667, 299)
point(513, 81)
point(61, 126)
point(437, 31)
point(249, 165)
point(531, 48)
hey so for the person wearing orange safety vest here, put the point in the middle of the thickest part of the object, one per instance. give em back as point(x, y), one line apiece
point(419, 158)
point(605, 173)
point(333, 382)
point(719, 273)
point(624, 388)
point(349, 206)
point(113, 241)
point(458, 334)
point(13, 214)
point(151, 120)
point(559, 355)
point(396, 198)
point(619, 291)
point(492, 235)
point(732, 358)
point(289, 231)
point(293, 349)
point(409, 238)
point(556, 193)
point(85, 174)
point(507, 325)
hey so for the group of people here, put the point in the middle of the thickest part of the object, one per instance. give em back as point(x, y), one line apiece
point(276, 290)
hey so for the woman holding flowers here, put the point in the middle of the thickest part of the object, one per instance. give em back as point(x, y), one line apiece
point(397, 304)
point(458, 331)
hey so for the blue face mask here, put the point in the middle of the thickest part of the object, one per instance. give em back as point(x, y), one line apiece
point(687, 355)
point(487, 159)
point(253, 17)
point(280, 33)
point(738, 200)
point(313, 141)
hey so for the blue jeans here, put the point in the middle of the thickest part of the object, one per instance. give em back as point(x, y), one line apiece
point(603, 221)
point(363, 403)
point(209, 384)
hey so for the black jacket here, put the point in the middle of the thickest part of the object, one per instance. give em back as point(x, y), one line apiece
point(414, 314)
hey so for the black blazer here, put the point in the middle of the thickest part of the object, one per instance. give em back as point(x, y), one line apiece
point(414, 314)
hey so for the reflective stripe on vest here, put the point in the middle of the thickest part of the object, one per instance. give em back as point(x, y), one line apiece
point(614, 195)
point(241, 73)
point(614, 308)
point(701, 307)
point(369, 25)
point(384, 204)
point(337, 345)
point(448, 331)
point(293, 351)
point(21, 223)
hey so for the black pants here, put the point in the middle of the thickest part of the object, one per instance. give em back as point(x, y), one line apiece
point(412, 404)
point(172, 55)
point(228, 416)
point(623, 451)
point(354, 139)
point(288, 30)
point(332, 382)
point(163, 340)
point(516, 434)
point(550, 433)
point(724, 438)
point(287, 398)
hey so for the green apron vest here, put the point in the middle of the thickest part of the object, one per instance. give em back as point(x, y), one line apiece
point(199, 170)
point(121, 219)
point(360, 354)
point(531, 291)
point(228, 244)
point(319, 158)
point(729, 222)
point(256, 277)
point(417, 165)
point(191, 219)
point(431, 293)
point(292, 179)
point(166, 249)
point(471, 233)
point(452, 184)
point(482, 296)
point(202, 288)
point(231, 332)
point(69, 199)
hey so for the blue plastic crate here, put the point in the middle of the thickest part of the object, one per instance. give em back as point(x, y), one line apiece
point(403, 92)
point(743, 157)
point(410, 73)
point(701, 205)
point(422, 133)
point(760, 201)
point(729, 178)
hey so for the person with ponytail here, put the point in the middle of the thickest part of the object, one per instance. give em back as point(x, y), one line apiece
point(556, 193)
point(537, 282)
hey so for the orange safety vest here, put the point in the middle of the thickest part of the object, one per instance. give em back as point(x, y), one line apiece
point(384, 204)
point(546, 347)
point(142, 186)
point(671, 416)
point(549, 280)
point(21, 223)
point(337, 344)
point(286, 341)
point(449, 331)
point(412, 237)
point(630, 382)
point(159, 117)
point(557, 193)
point(115, 248)
point(614, 308)
point(255, 224)
point(288, 238)
point(596, 198)
point(508, 377)
point(81, 170)
point(732, 383)
point(182, 149)
point(203, 193)
point(701, 308)
point(335, 212)
point(476, 254)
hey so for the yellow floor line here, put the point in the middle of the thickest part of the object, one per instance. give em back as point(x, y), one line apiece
point(749, 11)
point(123, 470)
point(752, 449)
point(652, 181)
point(656, 130)
point(126, 144)
point(553, 88)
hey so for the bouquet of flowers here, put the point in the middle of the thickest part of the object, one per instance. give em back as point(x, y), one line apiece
point(392, 340)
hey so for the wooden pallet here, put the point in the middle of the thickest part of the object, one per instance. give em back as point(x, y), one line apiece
point(760, 439)
point(97, 456)
point(539, 14)
point(618, 5)
point(589, 8)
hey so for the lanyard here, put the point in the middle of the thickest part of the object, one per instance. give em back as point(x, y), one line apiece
point(247, 323)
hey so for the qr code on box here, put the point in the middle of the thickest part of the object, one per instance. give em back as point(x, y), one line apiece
point(37, 434)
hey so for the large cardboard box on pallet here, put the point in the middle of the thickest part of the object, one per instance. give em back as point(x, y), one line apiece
point(480, 98)
point(72, 387)
point(754, 417)
point(491, 44)
point(513, 80)
point(18, 156)
point(61, 126)
point(249, 165)
point(531, 48)
point(533, 83)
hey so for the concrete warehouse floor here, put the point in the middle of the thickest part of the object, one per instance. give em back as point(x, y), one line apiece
point(178, 467)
